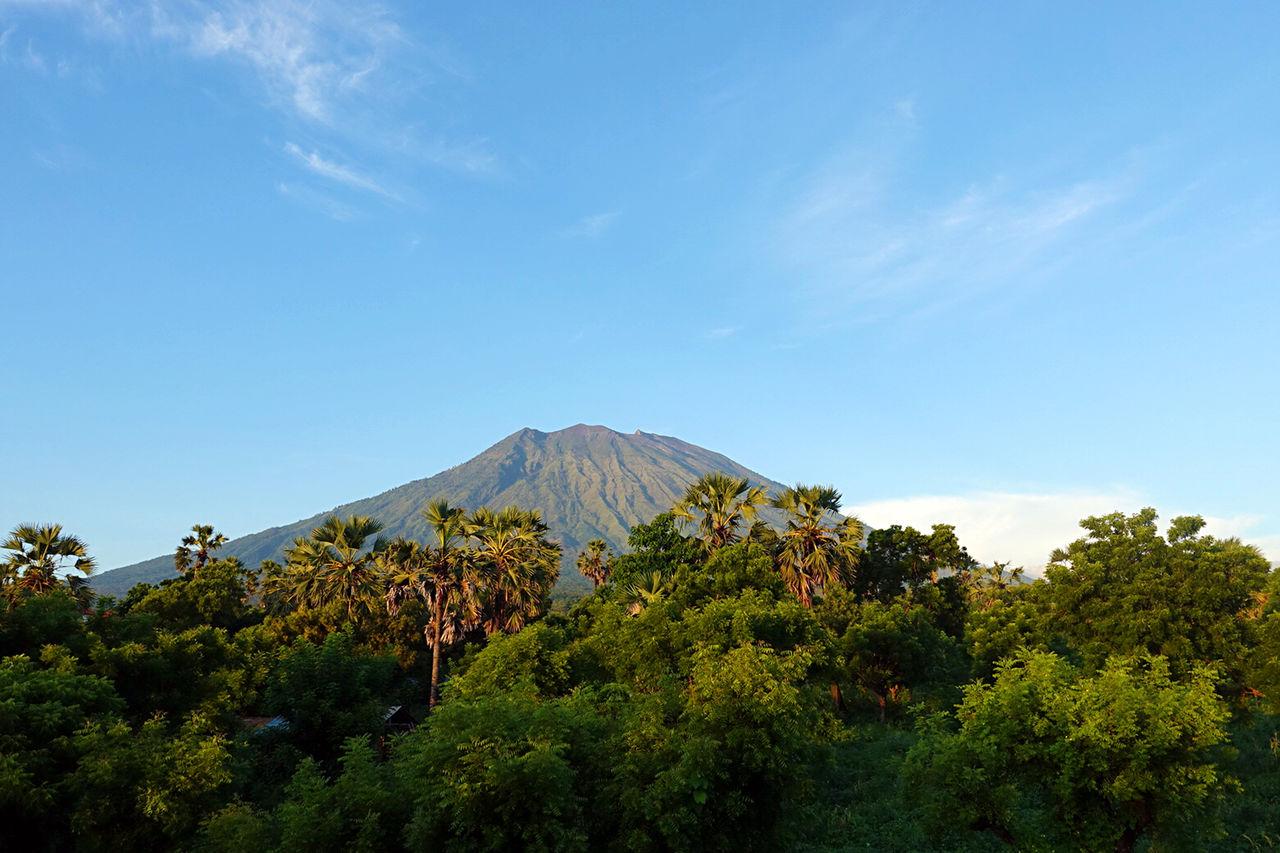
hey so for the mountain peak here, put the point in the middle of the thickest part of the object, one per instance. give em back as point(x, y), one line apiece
point(587, 480)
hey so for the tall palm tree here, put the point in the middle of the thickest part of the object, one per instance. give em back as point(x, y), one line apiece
point(718, 503)
point(517, 565)
point(196, 548)
point(333, 565)
point(816, 552)
point(595, 562)
point(38, 552)
point(441, 576)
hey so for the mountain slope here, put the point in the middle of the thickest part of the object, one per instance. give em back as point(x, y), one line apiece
point(588, 482)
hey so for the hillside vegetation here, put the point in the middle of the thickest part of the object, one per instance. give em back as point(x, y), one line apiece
point(727, 684)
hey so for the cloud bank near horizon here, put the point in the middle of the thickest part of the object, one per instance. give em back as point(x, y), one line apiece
point(1024, 527)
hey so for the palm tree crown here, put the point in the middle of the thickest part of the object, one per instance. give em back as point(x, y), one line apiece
point(38, 552)
point(595, 562)
point(718, 503)
point(816, 551)
point(518, 565)
point(332, 564)
point(197, 547)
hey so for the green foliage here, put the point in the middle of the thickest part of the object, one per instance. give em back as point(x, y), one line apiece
point(330, 692)
point(712, 695)
point(145, 788)
point(216, 594)
point(658, 546)
point(888, 650)
point(899, 558)
point(177, 673)
point(36, 621)
point(41, 710)
point(534, 661)
point(508, 772)
point(1125, 589)
point(1094, 762)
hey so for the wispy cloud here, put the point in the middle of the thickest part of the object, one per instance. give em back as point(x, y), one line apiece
point(314, 199)
point(337, 172)
point(313, 55)
point(720, 333)
point(348, 70)
point(593, 225)
point(856, 244)
point(1025, 527)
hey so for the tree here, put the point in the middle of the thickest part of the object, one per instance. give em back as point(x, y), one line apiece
point(442, 576)
point(517, 565)
point(332, 565)
point(196, 548)
point(655, 547)
point(38, 552)
point(718, 504)
point(40, 712)
point(1125, 589)
point(899, 558)
point(816, 552)
point(329, 692)
point(1093, 762)
point(889, 649)
point(595, 562)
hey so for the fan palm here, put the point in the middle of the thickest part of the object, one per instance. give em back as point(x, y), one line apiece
point(645, 593)
point(196, 548)
point(816, 552)
point(441, 576)
point(517, 565)
point(333, 565)
point(595, 562)
point(38, 552)
point(718, 503)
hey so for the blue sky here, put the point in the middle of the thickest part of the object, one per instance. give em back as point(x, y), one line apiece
point(1000, 266)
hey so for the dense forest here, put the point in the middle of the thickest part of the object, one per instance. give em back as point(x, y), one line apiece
point(727, 685)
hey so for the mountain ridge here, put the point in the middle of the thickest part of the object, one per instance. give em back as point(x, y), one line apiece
point(588, 481)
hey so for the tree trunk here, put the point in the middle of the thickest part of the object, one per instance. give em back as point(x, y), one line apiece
point(434, 696)
point(837, 697)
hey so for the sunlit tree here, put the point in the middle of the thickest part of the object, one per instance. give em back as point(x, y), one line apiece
point(717, 504)
point(819, 547)
point(38, 553)
point(595, 562)
point(518, 565)
point(196, 548)
point(441, 576)
point(333, 565)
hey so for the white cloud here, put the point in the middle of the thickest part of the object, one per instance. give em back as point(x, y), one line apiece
point(337, 172)
point(1024, 528)
point(345, 67)
point(721, 333)
point(593, 225)
point(848, 234)
point(311, 54)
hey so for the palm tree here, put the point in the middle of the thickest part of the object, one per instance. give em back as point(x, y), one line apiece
point(38, 553)
point(816, 552)
point(645, 593)
point(332, 564)
point(517, 565)
point(441, 576)
point(196, 548)
point(596, 563)
point(717, 503)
